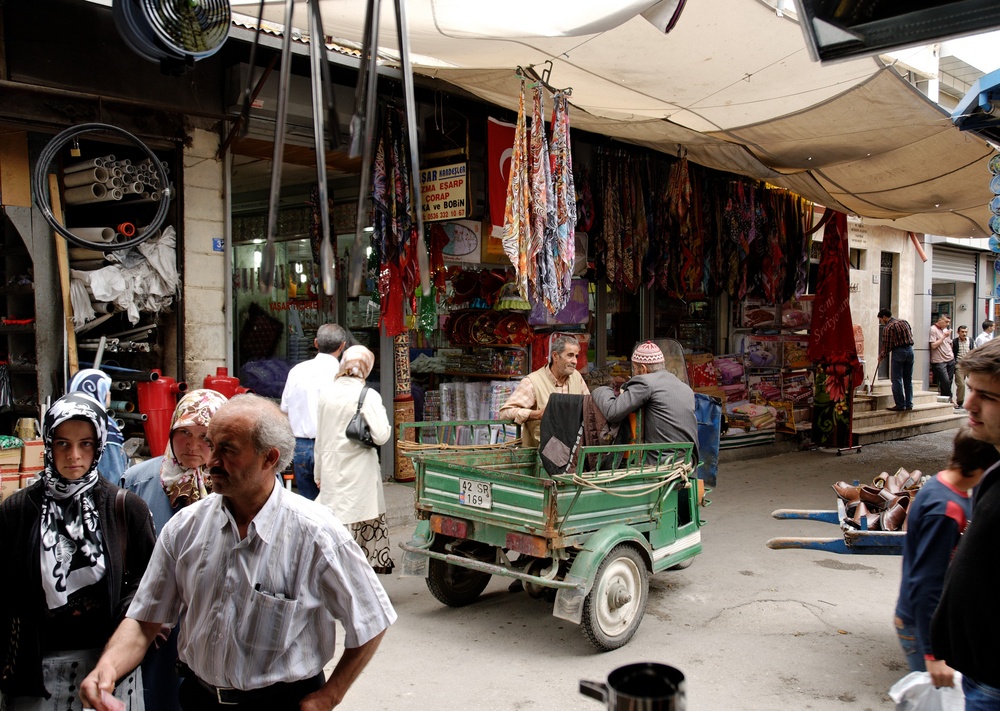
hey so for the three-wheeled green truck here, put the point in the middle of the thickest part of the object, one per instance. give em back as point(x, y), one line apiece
point(591, 536)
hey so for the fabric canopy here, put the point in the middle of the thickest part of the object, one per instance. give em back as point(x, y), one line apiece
point(731, 85)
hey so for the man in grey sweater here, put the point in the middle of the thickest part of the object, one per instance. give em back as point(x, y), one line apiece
point(668, 403)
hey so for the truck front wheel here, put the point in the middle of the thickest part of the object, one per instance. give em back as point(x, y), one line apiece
point(615, 606)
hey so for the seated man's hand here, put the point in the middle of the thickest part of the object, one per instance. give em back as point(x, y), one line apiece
point(536, 414)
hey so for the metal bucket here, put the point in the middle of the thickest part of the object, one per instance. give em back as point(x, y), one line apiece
point(640, 687)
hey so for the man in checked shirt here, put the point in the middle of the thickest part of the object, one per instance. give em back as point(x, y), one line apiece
point(897, 343)
point(258, 577)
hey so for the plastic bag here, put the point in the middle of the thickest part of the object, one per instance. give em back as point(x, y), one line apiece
point(916, 692)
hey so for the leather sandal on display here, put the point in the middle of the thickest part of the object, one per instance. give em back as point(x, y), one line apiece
point(845, 491)
point(893, 519)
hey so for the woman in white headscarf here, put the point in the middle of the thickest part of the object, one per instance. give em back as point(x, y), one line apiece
point(97, 384)
point(68, 576)
point(348, 473)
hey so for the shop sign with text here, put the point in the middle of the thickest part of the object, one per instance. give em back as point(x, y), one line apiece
point(444, 192)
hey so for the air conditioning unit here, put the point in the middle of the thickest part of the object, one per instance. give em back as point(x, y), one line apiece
point(299, 124)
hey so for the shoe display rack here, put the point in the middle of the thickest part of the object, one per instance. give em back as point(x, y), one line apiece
point(18, 366)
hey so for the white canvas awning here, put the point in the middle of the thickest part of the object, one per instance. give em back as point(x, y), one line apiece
point(733, 85)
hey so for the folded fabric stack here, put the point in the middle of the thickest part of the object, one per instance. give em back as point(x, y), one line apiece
point(757, 416)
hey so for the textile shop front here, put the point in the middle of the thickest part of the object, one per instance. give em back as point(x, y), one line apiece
point(532, 234)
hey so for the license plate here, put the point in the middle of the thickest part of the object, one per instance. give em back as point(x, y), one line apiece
point(478, 494)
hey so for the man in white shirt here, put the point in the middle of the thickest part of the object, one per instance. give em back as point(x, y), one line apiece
point(258, 577)
point(986, 336)
point(300, 401)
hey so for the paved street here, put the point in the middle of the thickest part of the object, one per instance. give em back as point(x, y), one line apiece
point(751, 628)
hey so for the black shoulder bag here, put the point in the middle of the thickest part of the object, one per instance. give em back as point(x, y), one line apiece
point(357, 428)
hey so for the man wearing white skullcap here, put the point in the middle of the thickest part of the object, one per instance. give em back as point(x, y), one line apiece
point(668, 403)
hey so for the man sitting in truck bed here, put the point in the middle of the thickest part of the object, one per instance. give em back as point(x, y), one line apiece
point(527, 403)
point(668, 403)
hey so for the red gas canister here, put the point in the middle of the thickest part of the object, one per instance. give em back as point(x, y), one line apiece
point(157, 400)
point(223, 382)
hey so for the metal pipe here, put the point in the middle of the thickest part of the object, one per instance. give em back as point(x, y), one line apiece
point(134, 416)
point(143, 376)
point(85, 193)
point(121, 384)
point(91, 324)
point(83, 177)
point(122, 406)
point(100, 352)
point(86, 165)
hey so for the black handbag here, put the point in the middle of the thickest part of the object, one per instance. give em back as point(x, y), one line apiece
point(357, 428)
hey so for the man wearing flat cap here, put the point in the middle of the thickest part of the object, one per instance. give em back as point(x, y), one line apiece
point(667, 402)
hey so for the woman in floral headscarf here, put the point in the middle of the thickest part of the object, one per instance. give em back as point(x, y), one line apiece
point(348, 474)
point(69, 579)
point(97, 384)
point(180, 477)
point(167, 484)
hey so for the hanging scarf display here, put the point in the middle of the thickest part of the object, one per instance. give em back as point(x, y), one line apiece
point(561, 156)
point(516, 236)
point(543, 244)
point(394, 238)
point(72, 548)
point(196, 408)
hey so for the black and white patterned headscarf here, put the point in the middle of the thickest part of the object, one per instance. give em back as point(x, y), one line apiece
point(72, 549)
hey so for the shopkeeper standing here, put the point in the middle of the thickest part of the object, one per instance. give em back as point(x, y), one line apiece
point(527, 403)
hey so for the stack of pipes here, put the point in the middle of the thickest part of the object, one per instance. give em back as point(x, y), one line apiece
point(106, 178)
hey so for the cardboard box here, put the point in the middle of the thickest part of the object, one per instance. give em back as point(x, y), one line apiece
point(10, 480)
point(10, 456)
point(26, 477)
point(33, 455)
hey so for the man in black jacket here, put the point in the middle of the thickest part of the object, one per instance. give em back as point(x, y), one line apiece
point(965, 632)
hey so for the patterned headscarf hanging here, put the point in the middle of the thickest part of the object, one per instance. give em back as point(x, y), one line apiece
point(72, 546)
point(517, 212)
point(196, 408)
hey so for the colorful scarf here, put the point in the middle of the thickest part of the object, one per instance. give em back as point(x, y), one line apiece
point(516, 236)
point(72, 546)
point(196, 408)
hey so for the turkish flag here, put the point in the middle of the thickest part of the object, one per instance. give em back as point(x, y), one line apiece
point(499, 146)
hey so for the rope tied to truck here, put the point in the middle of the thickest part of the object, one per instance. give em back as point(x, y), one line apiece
point(680, 471)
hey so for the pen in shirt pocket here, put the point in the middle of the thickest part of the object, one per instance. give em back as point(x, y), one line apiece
point(261, 590)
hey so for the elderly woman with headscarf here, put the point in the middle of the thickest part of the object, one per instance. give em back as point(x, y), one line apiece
point(179, 477)
point(68, 575)
point(97, 384)
point(167, 484)
point(348, 473)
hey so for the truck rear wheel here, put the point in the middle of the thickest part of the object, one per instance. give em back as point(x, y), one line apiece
point(615, 605)
point(454, 585)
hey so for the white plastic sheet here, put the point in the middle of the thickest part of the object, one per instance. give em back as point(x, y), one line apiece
point(916, 692)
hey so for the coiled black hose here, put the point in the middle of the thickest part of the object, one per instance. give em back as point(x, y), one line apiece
point(43, 199)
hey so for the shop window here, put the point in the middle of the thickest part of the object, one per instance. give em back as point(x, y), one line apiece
point(857, 258)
